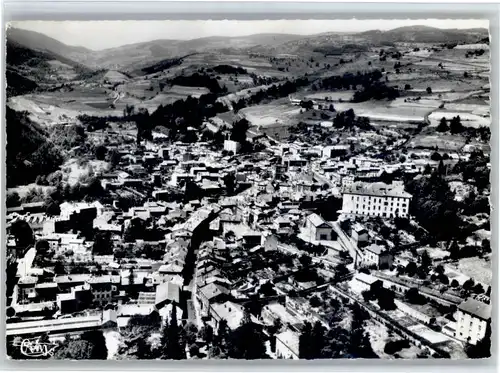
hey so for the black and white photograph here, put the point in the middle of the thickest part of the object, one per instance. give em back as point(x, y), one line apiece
point(248, 189)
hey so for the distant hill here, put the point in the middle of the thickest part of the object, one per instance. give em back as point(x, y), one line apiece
point(134, 57)
point(29, 152)
point(425, 34)
point(40, 42)
point(28, 68)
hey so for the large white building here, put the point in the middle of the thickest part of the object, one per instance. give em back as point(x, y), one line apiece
point(472, 318)
point(376, 199)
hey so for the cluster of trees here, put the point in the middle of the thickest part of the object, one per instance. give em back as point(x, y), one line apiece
point(176, 117)
point(346, 48)
point(383, 296)
point(273, 92)
point(227, 69)
point(376, 91)
point(316, 342)
point(93, 123)
point(476, 52)
point(350, 80)
point(199, 80)
point(90, 346)
point(29, 152)
point(162, 65)
point(454, 127)
point(475, 170)
point(245, 342)
point(434, 207)
point(347, 120)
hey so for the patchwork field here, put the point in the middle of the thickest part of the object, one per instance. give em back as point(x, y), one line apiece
point(441, 141)
point(270, 114)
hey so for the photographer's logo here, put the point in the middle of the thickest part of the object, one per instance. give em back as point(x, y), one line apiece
point(34, 347)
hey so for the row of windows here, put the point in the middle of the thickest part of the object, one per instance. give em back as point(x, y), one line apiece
point(385, 200)
point(374, 208)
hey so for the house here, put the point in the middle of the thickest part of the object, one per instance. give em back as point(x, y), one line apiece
point(233, 313)
point(232, 146)
point(472, 318)
point(365, 282)
point(287, 345)
point(318, 229)
point(210, 294)
point(77, 300)
point(378, 256)
point(275, 311)
point(84, 208)
point(359, 234)
point(332, 151)
point(167, 293)
point(376, 199)
point(103, 289)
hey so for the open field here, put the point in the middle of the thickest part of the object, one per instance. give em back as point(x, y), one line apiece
point(442, 141)
point(477, 268)
point(466, 118)
point(62, 70)
point(270, 114)
point(397, 110)
point(331, 96)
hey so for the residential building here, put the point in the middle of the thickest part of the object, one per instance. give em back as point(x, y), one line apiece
point(472, 318)
point(318, 229)
point(377, 255)
point(232, 146)
point(375, 199)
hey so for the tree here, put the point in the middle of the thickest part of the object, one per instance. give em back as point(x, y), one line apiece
point(100, 152)
point(411, 269)
point(429, 90)
point(207, 333)
point(436, 156)
point(23, 234)
point(478, 289)
point(314, 301)
point(52, 208)
point(443, 125)
point(96, 338)
point(239, 131)
point(469, 284)
point(425, 259)
point(305, 345)
point(305, 261)
point(75, 350)
point(102, 244)
point(454, 250)
point(114, 157)
point(273, 330)
point(12, 199)
point(482, 349)
point(247, 341)
point(456, 125)
point(173, 349)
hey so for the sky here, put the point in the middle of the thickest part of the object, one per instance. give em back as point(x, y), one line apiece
point(98, 35)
